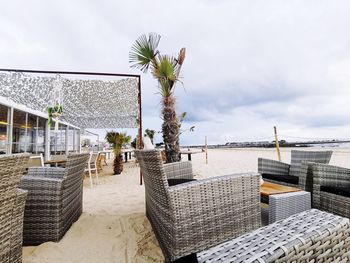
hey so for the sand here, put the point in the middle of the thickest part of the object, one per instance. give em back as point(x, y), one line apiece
point(113, 227)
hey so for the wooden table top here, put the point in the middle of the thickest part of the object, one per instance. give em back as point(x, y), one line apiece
point(55, 161)
point(268, 188)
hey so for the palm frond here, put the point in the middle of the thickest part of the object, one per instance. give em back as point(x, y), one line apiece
point(144, 51)
point(165, 89)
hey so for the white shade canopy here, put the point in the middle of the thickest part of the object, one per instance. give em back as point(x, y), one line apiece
point(87, 103)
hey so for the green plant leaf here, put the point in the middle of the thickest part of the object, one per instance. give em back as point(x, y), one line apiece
point(144, 51)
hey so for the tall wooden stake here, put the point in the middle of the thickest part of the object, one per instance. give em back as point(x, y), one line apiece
point(206, 150)
point(277, 143)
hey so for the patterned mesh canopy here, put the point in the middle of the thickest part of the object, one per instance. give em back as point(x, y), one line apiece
point(86, 103)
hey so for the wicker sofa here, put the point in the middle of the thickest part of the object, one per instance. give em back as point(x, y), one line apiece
point(54, 200)
point(195, 215)
point(331, 189)
point(293, 174)
point(11, 207)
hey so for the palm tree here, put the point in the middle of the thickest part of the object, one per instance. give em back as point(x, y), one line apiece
point(150, 134)
point(166, 70)
point(118, 141)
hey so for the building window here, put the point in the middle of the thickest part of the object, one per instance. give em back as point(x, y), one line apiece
point(3, 129)
point(19, 131)
point(32, 123)
point(71, 139)
point(40, 143)
point(58, 140)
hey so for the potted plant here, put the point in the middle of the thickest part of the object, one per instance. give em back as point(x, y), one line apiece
point(150, 134)
point(118, 141)
point(54, 112)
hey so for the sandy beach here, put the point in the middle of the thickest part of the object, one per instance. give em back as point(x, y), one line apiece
point(113, 226)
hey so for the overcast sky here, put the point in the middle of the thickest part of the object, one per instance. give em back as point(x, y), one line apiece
point(250, 65)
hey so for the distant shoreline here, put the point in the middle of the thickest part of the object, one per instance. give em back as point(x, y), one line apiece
point(331, 144)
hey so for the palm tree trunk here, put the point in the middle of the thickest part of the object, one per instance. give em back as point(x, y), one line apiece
point(170, 129)
point(118, 164)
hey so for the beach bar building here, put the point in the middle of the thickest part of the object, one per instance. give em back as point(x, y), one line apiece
point(89, 100)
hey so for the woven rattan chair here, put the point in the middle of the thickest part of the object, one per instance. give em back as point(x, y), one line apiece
point(309, 236)
point(331, 190)
point(293, 174)
point(54, 200)
point(11, 207)
point(196, 215)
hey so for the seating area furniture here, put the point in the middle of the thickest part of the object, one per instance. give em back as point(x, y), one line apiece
point(54, 200)
point(101, 161)
point(293, 174)
point(36, 161)
point(331, 190)
point(310, 236)
point(12, 202)
point(282, 206)
point(92, 166)
point(196, 215)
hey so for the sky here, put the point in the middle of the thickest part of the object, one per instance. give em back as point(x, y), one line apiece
point(250, 64)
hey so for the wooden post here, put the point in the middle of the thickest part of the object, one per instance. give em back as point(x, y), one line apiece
point(206, 150)
point(277, 143)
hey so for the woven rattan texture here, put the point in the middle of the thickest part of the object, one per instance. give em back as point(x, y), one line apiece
point(17, 227)
point(295, 168)
point(310, 236)
point(54, 200)
point(328, 175)
point(11, 200)
point(194, 216)
point(282, 206)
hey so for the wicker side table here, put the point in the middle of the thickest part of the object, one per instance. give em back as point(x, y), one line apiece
point(309, 235)
point(282, 206)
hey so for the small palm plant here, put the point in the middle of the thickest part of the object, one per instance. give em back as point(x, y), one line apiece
point(118, 141)
point(166, 70)
point(151, 134)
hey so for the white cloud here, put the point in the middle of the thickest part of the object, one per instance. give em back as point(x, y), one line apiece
point(250, 64)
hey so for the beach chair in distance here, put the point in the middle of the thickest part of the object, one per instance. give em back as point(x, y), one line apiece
point(189, 215)
point(294, 174)
point(54, 201)
point(92, 166)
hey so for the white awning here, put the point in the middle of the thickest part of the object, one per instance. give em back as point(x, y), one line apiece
point(87, 103)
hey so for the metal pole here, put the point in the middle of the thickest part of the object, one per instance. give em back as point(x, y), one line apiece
point(140, 121)
point(277, 143)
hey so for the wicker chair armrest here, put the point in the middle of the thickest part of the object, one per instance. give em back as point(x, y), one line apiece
point(213, 210)
point(178, 170)
point(47, 172)
point(272, 167)
point(43, 185)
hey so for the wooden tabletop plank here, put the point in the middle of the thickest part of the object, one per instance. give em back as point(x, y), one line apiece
point(268, 188)
point(55, 161)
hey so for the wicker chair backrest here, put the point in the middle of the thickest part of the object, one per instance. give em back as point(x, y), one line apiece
point(76, 164)
point(11, 172)
point(154, 176)
point(297, 157)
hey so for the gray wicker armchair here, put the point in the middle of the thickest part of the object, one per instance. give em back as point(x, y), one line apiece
point(54, 200)
point(294, 174)
point(11, 207)
point(331, 190)
point(195, 215)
